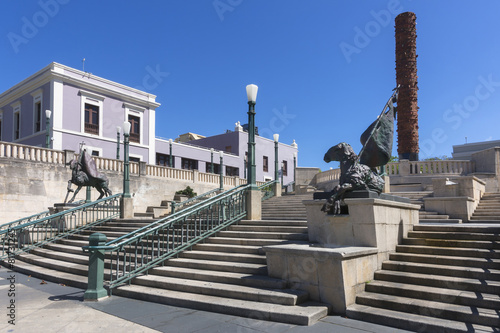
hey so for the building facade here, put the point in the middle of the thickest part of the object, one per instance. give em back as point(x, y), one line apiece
point(86, 109)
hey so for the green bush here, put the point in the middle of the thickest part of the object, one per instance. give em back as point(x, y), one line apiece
point(187, 191)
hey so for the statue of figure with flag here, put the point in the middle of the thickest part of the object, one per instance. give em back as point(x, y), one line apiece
point(359, 172)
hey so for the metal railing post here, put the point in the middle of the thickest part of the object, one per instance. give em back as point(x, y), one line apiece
point(95, 288)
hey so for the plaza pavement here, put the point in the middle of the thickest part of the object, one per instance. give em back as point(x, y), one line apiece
point(49, 307)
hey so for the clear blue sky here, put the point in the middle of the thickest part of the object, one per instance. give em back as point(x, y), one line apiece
point(320, 81)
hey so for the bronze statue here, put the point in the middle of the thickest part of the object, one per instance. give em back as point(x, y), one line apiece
point(85, 173)
point(353, 176)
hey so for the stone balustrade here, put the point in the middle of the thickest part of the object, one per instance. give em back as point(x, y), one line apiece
point(31, 153)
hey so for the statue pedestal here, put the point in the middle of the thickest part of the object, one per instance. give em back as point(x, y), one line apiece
point(345, 250)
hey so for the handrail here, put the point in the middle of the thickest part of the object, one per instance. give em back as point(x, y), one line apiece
point(193, 200)
point(26, 236)
point(30, 218)
point(144, 248)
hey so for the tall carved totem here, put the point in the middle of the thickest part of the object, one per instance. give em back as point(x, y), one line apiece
point(406, 78)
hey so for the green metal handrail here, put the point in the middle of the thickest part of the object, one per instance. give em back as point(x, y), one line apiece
point(30, 218)
point(176, 206)
point(144, 248)
point(36, 233)
point(268, 189)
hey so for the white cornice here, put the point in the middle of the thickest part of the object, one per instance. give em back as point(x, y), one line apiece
point(55, 71)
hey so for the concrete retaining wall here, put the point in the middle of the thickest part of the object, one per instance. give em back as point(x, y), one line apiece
point(30, 187)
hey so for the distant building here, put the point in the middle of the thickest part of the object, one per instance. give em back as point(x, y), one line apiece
point(88, 109)
point(84, 108)
point(465, 151)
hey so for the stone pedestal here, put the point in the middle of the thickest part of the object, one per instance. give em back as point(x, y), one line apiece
point(127, 208)
point(254, 205)
point(277, 189)
point(345, 250)
point(456, 197)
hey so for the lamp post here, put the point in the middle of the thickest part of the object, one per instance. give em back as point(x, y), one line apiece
point(126, 172)
point(282, 164)
point(294, 170)
point(118, 130)
point(276, 137)
point(221, 154)
point(170, 157)
point(252, 97)
point(211, 160)
point(245, 166)
point(48, 113)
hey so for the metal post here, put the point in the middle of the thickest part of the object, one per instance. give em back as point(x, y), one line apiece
point(126, 164)
point(89, 194)
point(211, 160)
point(282, 174)
point(221, 173)
point(95, 288)
point(47, 131)
point(294, 171)
point(117, 142)
point(170, 157)
point(245, 167)
point(251, 145)
point(276, 161)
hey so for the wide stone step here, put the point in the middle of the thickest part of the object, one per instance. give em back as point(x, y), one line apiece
point(444, 295)
point(487, 217)
point(264, 228)
point(412, 322)
point(453, 235)
point(228, 248)
point(284, 297)
point(442, 251)
point(247, 241)
point(223, 256)
point(487, 213)
point(435, 217)
point(249, 280)
point(480, 316)
point(440, 281)
point(222, 266)
point(49, 274)
point(263, 235)
point(459, 228)
point(484, 220)
point(447, 260)
point(441, 221)
point(299, 223)
point(304, 314)
point(493, 245)
point(435, 269)
point(58, 265)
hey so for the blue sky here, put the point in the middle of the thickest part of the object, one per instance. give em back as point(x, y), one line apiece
point(324, 68)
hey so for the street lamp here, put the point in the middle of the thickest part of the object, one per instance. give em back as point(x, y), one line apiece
point(221, 154)
point(118, 130)
point(126, 172)
point(48, 113)
point(170, 157)
point(276, 137)
point(252, 97)
point(211, 160)
point(294, 170)
point(282, 165)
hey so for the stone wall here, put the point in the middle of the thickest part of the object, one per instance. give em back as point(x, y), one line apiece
point(29, 187)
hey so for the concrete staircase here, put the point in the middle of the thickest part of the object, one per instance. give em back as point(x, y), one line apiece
point(417, 198)
point(442, 278)
point(488, 209)
point(226, 274)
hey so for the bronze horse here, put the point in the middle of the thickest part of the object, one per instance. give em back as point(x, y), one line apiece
point(84, 173)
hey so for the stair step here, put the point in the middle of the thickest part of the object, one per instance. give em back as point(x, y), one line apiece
point(223, 256)
point(444, 270)
point(284, 297)
point(264, 228)
point(480, 316)
point(251, 242)
point(442, 251)
point(249, 280)
point(228, 248)
point(459, 228)
point(305, 314)
point(452, 243)
point(222, 266)
point(447, 260)
point(444, 295)
point(440, 281)
point(454, 235)
point(263, 235)
point(298, 223)
point(442, 221)
point(412, 322)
